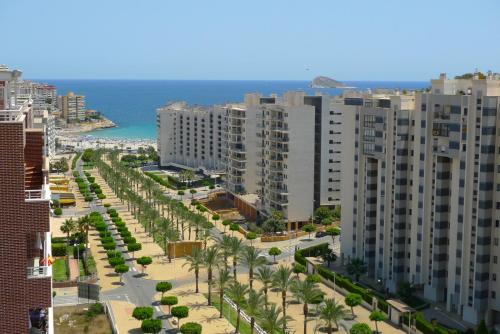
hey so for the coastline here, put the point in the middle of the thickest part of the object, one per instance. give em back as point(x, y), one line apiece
point(81, 128)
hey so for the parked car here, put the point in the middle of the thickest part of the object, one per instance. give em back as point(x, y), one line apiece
point(320, 234)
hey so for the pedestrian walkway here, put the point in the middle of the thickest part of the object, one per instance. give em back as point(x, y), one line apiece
point(74, 270)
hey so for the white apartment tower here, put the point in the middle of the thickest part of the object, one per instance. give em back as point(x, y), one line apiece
point(286, 150)
point(190, 136)
point(422, 181)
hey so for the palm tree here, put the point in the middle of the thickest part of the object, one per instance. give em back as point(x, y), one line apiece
point(254, 304)
point(165, 233)
point(236, 246)
point(222, 281)
point(251, 258)
point(271, 321)
point(265, 276)
point(282, 280)
point(224, 244)
point(306, 292)
point(68, 227)
point(83, 226)
point(237, 292)
point(211, 257)
point(195, 262)
point(330, 313)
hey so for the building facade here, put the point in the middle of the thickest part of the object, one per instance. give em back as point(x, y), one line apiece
point(420, 204)
point(72, 107)
point(271, 141)
point(190, 136)
point(26, 296)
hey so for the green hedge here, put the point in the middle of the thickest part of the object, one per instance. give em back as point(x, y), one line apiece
point(158, 179)
point(59, 249)
point(300, 255)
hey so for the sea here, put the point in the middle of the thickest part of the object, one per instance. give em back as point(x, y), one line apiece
point(131, 104)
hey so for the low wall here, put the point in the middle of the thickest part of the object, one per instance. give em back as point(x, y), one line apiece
point(183, 248)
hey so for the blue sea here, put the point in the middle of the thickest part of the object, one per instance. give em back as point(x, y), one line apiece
point(132, 104)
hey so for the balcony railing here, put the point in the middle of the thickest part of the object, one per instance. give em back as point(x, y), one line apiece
point(37, 194)
point(39, 272)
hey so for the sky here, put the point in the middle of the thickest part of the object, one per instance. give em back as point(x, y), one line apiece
point(385, 40)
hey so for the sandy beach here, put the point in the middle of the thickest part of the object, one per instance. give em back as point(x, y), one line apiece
point(88, 141)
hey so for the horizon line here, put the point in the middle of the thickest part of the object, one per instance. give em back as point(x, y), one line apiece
point(270, 80)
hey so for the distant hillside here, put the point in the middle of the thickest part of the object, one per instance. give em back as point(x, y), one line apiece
point(326, 82)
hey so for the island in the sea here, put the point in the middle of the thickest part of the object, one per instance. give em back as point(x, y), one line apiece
point(326, 82)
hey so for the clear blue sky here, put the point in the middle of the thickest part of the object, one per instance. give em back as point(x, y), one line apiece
point(258, 39)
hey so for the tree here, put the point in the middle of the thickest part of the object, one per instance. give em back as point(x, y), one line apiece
point(163, 287)
point(405, 290)
point(322, 215)
point(120, 270)
point(222, 281)
point(356, 268)
point(274, 251)
point(134, 247)
point(251, 236)
point(274, 223)
point(282, 280)
point(305, 292)
point(377, 316)
point(265, 276)
point(360, 328)
point(180, 312)
point(298, 269)
point(195, 262)
point(254, 306)
point(235, 247)
point(169, 301)
point(234, 228)
point(313, 278)
point(237, 293)
point(215, 217)
point(271, 321)
point(482, 329)
point(144, 261)
point(353, 299)
point(192, 192)
point(68, 227)
point(225, 223)
point(143, 312)
point(151, 326)
point(330, 313)
point(329, 256)
point(309, 228)
point(250, 257)
point(210, 260)
point(191, 328)
point(333, 232)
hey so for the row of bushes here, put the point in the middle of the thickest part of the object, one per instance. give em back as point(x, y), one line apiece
point(158, 179)
point(75, 159)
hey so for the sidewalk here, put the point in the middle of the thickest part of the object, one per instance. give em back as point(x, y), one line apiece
point(74, 270)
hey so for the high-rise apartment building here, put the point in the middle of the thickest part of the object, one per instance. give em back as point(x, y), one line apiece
point(25, 244)
point(190, 136)
point(72, 107)
point(263, 144)
point(421, 185)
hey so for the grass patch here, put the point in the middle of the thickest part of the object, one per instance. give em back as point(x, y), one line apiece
point(230, 314)
point(88, 167)
point(73, 319)
point(59, 270)
point(91, 266)
point(81, 267)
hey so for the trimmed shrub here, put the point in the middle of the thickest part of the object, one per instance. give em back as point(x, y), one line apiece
point(163, 287)
point(113, 253)
point(59, 249)
point(101, 226)
point(191, 328)
point(107, 205)
point(105, 233)
point(143, 312)
point(129, 240)
point(58, 240)
point(109, 246)
point(125, 234)
point(58, 211)
point(115, 261)
point(169, 301)
point(151, 326)
point(106, 240)
point(180, 312)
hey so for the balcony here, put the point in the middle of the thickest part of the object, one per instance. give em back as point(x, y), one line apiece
point(12, 115)
point(39, 272)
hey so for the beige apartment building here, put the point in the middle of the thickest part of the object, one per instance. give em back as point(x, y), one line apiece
point(420, 185)
point(72, 107)
point(190, 136)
